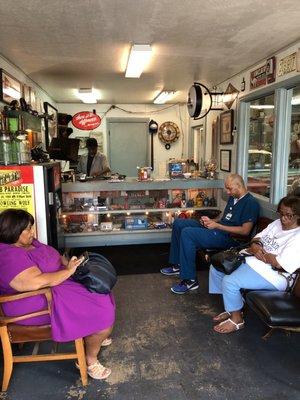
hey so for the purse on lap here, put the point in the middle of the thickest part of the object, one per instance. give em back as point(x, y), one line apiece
point(97, 274)
point(227, 261)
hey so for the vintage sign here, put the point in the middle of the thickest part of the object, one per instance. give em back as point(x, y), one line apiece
point(230, 95)
point(289, 64)
point(258, 77)
point(16, 188)
point(86, 121)
point(264, 74)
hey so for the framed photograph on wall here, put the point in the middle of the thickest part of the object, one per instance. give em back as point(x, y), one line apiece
point(226, 127)
point(225, 160)
point(11, 88)
point(51, 126)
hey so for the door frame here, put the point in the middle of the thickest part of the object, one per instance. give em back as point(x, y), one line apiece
point(126, 120)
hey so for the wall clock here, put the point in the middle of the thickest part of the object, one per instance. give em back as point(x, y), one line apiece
point(168, 133)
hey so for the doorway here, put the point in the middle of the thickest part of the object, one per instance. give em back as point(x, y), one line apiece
point(128, 145)
point(198, 137)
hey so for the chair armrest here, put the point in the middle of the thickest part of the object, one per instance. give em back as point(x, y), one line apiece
point(17, 296)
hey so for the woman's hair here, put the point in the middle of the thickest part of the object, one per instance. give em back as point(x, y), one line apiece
point(293, 202)
point(12, 224)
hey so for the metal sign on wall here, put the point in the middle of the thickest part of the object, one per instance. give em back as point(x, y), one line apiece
point(86, 120)
point(264, 74)
point(289, 64)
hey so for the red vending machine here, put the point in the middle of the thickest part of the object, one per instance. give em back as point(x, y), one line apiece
point(36, 189)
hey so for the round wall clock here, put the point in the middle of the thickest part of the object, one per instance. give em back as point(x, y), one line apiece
point(168, 132)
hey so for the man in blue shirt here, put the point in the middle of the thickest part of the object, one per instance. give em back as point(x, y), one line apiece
point(188, 235)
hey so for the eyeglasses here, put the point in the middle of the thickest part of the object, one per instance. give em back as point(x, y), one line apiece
point(287, 215)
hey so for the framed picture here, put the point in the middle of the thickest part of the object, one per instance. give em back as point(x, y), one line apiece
point(50, 123)
point(225, 160)
point(11, 88)
point(226, 127)
point(27, 93)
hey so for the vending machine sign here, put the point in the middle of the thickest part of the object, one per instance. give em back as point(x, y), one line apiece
point(16, 188)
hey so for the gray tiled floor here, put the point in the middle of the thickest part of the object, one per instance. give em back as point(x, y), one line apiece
point(164, 348)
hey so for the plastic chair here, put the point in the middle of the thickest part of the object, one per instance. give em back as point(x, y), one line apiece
point(13, 333)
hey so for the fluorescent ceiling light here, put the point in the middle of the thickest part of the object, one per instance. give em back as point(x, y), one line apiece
point(262, 106)
point(138, 58)
point(163, 97)
point(87, 96)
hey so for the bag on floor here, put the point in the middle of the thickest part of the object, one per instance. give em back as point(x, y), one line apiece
point(97, 274)
point(227, 261)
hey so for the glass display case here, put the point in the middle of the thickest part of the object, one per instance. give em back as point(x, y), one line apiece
point(100, 213)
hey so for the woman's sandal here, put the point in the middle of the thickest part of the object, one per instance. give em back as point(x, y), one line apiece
point(98, 371)
point(106, 342)
point(222, 317)
point(235, 326)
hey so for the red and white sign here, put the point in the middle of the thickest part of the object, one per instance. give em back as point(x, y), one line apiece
point(86, 121)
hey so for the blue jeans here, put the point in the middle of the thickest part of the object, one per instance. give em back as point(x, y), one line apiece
point(188, 235)
point(230, 285)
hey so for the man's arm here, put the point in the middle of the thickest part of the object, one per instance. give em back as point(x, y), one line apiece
point(243, 230)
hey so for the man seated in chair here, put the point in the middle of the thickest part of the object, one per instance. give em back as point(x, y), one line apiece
point(189, 235)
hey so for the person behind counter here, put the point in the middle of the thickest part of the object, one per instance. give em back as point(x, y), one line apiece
point(27, 264)
point(94, 163)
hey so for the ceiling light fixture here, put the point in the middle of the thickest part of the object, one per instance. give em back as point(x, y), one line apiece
point(87, 95)
point(163, 97)
point(138, 58)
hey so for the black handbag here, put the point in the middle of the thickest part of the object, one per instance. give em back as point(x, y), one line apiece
point(97, 274)
point(227, 261)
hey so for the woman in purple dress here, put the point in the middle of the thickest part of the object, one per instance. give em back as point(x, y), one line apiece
point(26, 264)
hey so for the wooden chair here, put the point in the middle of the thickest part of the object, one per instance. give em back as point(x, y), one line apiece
point(13, 333)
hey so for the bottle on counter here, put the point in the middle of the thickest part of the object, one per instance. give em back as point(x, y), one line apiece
point(24, 153)
point(183, 200)
point(5, 142)
point(192, 167)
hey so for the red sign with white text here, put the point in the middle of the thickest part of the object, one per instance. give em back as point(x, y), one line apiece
point(86, 121)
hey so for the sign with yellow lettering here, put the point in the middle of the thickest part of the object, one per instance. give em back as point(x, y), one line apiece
point(16, 188)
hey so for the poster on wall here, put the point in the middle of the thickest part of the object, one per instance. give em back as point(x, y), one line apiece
point(16, 188)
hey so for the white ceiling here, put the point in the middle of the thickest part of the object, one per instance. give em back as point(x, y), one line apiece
point(64, 45)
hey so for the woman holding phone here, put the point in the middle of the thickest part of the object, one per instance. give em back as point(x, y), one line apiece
point(27, 264)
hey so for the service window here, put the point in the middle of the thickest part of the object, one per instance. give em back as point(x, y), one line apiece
point(293, 183)
point(261, 138)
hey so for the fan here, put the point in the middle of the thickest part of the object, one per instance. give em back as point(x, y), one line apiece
point(168, 133)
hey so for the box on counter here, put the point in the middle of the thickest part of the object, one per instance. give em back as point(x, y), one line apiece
point(136, 222)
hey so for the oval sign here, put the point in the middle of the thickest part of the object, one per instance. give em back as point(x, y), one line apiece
point(86, 120)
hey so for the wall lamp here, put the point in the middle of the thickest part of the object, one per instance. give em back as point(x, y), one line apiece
point(138, 58)
point(163, 97)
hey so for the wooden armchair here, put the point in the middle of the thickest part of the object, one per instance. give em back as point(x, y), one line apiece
point(13, 333)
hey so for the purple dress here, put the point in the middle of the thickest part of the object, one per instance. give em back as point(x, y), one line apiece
point(76, 312)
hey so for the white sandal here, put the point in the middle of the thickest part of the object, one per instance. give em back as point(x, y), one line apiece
point(98, 371)
point(236, 326)
point(106, 342)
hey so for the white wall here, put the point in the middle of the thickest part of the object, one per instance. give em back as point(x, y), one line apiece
point(24, 79)
point(177, 114)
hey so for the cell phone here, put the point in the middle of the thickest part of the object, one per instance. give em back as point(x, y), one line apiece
point(84, 257)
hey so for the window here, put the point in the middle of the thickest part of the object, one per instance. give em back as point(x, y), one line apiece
point(293, 183)
point(260, 145)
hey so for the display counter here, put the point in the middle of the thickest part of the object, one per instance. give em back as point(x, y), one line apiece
point(104, 213)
